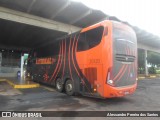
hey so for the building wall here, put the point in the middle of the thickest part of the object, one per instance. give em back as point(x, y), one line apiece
point(9, 63)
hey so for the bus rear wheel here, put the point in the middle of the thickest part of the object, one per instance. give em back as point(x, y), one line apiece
point(69, 87)
point(59, 85)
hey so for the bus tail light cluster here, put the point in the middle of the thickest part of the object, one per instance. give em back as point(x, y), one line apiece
point(109, 80)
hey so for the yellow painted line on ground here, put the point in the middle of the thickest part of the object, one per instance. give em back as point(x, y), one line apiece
point(2, 80)
point(26, 86)
point(11, 83)
point(153, 76)
point(141, 77)
point(47, 88)
point(20, 86)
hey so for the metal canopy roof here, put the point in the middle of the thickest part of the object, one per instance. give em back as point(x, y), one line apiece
point(147, 38)
point(14, 35)
point(65, 11)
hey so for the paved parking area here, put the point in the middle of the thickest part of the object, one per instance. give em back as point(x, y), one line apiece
point(146, 97)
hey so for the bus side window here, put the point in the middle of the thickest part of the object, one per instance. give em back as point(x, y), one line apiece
point(90, 39)
point(94, 36)
point(82, 42)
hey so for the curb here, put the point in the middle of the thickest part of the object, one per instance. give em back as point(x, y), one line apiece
point(35, 85)
point(148, 77)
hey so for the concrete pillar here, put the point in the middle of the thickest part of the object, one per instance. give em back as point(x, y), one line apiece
point(145, 60)
point(0, 59)
point(22, 62)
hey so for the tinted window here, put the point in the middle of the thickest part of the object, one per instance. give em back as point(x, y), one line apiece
point(49, 50)
point(123, 39)
point(90, 39)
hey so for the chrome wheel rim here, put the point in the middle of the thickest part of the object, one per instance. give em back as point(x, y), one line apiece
point(59, 85)
point(69, 87)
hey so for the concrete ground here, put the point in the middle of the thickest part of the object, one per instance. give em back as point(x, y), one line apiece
point(146, 98)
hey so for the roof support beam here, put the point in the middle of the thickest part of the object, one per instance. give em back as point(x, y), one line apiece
point(81, 17)
point(148, 38)
point(8, 47)
point(145, 47)
point(30, 6)
point(144, 35)
point(24, 18)
point(64, 6)
point(138, 30)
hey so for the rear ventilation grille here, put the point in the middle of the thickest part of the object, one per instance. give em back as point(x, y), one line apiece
point(125, 58)
point(91, 74)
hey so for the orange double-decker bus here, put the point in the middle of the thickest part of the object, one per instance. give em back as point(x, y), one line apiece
point(98, 61)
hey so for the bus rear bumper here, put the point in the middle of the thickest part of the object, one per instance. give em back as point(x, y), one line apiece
point(120, 91)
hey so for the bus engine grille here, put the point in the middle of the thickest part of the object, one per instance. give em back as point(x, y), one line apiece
point(125, 58)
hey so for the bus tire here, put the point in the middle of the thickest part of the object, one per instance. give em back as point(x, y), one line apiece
point(59, 85)
point(69, 87)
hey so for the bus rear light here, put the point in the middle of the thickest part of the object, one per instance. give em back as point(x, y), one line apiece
point(109, 81)
point(95, 90)
point(108, 77)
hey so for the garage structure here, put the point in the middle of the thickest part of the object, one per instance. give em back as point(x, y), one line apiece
point(30, 23)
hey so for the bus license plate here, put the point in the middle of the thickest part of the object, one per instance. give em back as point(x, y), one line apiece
point(126, 92)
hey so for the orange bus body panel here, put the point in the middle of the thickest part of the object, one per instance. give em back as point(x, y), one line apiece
point(89, 68)
point(97, 57)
